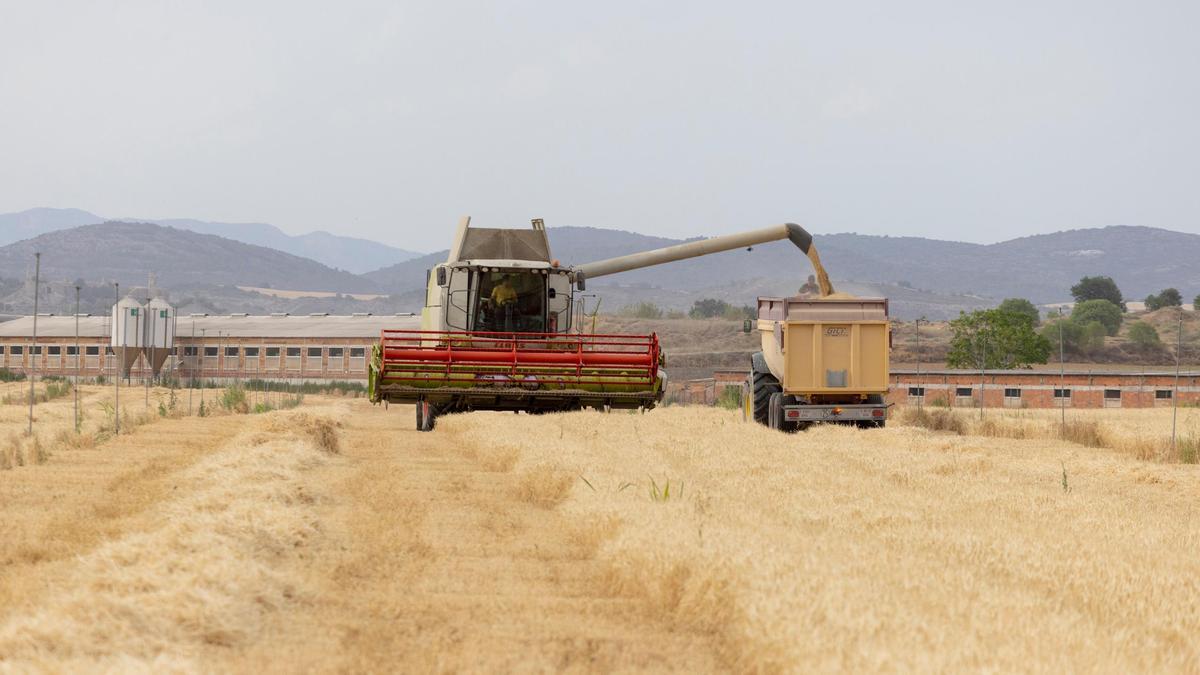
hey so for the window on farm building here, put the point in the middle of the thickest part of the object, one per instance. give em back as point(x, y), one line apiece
point(252, 352)
point(335, 352)
point(272, 352)
point(54, 350)
point(231, 351)
point(962, 391)
point(314, 352)
point(210, 352)
point(1012, 392)
point(191, 350)
point(358, 352)
point(95, 350)
point(1062, 393)
point(916, 392)
point(16, 349)
point(293, 351)
point(1163, 394)
point(1112, 393)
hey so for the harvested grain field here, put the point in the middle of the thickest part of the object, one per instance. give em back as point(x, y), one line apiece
point(334, 538)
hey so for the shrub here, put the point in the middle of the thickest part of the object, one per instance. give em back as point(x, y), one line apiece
point(1103, 311)
point(1085, 432)
point(709, 308)
point(1143, 335)
point(730, 398)
point(7, 375)
point(1189, 450)
point(938, 419)
point(642, 310)
point(233, 399)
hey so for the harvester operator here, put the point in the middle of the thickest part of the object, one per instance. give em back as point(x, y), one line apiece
point(504, 293)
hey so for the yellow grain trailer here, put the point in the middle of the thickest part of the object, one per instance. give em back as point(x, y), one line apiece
point(822, 360)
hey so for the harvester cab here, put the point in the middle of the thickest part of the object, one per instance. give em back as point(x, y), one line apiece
point(499, 281)
point(496, 333)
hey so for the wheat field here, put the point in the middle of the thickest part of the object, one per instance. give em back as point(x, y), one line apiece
point(334, 538)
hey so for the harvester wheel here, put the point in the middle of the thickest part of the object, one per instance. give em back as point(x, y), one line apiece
point(762, 385)
point(426, 416)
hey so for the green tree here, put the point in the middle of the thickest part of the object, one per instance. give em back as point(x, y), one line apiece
point(1143, 335)
point(1098, 288)
point(1103, 311)
point(995, 339)
point(1023, 307)
point(1168, 297)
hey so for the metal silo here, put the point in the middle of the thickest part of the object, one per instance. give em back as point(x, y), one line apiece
point(159, 331)
point(128, 316)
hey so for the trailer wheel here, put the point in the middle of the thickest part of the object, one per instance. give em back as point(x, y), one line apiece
point(762, 385)
point(877, 399)
point(775, 418)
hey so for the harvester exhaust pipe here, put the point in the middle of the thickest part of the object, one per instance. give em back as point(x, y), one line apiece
point(790, 231)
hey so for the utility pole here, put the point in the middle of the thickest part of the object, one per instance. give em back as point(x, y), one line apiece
point(921, 398)
point(1062, 376)
point(78, 356)
point(192, 388)
point(117, 362)
point(220, 355)
point(1175, 393)
point(149, 357)
point(37, 282)
point(203, 346)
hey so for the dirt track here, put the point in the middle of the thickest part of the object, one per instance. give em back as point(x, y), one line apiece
point(504, 542)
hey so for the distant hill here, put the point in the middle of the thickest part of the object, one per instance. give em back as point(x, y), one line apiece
point(127, 252)
point(334, 250)
point(349, 253)
point(1042, 268)
point(31, 223)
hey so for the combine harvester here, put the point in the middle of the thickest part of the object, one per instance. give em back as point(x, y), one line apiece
point(495, 332)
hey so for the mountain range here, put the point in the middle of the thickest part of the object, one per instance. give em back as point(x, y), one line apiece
point(348, 253)
point(922, 276)
point(129, 252)
point(1042, 268)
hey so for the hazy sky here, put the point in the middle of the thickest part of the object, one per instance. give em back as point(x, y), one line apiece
point(973, 121)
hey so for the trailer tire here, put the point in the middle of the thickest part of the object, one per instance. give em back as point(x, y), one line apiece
point(775, 411)
point(877, 399)
point(762, 385)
